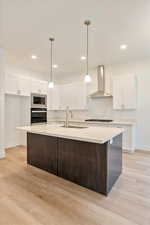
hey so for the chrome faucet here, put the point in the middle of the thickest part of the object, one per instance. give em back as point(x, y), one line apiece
point(67, 116)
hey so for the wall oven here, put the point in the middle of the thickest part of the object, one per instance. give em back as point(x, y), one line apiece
point(38, 101)
point(38, 115)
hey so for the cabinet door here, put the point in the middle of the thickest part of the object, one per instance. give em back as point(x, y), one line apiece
point(124, 93)
point(11, 84)
point(64, 98)
point(42, 152)
point(40, 87)
point(44, 87)
point(129, 93)
point(80, 162)
point(53, 98)
point(24, 86)
point(117, 94)
point(73, 95)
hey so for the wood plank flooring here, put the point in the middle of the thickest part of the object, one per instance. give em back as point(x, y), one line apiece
point(30, 196)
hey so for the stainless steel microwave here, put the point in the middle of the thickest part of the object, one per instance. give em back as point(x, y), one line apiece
point(38, 101)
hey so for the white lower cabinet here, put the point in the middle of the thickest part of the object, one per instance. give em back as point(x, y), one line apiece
point(128, 135)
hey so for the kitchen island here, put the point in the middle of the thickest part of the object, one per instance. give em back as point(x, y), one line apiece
point(88, 156)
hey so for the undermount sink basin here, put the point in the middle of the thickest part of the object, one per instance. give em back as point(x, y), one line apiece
point(78, 127)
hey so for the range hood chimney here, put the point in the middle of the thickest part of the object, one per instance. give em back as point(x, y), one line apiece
point(101, 92)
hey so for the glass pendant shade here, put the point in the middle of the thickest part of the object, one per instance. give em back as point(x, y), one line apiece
point(87, 78)
point(51, 84)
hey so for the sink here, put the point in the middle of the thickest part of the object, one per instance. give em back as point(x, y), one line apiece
point(78, 127)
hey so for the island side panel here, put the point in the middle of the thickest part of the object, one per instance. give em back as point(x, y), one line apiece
point(42, 152)
point(83, 163)
point(114, 161)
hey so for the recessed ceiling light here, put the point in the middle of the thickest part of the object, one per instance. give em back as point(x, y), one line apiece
point(83, 58)
point(55, 66)
point(123, 47)
point(34, 57)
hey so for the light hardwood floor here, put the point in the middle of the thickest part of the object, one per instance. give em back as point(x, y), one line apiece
point(30, 196)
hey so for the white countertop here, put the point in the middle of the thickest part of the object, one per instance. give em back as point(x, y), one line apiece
point(93, 134)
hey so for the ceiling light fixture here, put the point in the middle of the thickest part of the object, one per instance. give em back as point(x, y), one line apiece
point(87, 77)
point(34, 57)
point(83, 57)
point(51, 83)
point(55, 66)
point(123, 47)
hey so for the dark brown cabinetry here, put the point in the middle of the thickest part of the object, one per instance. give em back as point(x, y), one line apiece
point(42, 152)
point(91, 165)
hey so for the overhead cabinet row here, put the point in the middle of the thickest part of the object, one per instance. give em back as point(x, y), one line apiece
point(24, 86)
point(73, 95)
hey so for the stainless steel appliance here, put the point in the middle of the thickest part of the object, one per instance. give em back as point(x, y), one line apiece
point(101, 90)
point(38, 115)
point(38, 101)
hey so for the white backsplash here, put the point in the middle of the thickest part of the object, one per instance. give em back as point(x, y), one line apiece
point(97, 109)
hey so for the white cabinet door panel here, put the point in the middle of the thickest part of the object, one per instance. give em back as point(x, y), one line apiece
point(24, 86)
point(124, 93)
point(11, 84)
point(53, 99)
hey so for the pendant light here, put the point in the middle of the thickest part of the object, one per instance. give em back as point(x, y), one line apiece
point(87, 77)
point(51, 83)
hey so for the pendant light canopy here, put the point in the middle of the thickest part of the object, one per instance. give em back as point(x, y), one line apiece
point(87, 77)
point(51, 82)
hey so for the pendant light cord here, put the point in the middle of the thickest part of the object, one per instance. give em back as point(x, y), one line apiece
point(51, 78)
point(87, 23)
point(87, 53)
point(51, 72)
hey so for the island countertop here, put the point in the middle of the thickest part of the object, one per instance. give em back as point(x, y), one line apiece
point(92, 134)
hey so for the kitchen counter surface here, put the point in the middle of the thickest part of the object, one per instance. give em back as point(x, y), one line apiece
point(92, 134)
point(119, 122)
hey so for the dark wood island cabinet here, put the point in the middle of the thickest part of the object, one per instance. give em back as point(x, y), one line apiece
point(91, 165)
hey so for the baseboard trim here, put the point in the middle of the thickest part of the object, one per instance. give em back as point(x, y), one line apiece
point(143, 148)
point(128, 150)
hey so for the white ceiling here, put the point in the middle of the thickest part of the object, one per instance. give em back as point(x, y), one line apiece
point(26, 26)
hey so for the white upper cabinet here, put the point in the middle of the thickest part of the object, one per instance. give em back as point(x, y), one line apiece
point(24, 86)
point(38, 86)
point(53, 98)
point(124, 93)
point(73, 95)
point(11, 84)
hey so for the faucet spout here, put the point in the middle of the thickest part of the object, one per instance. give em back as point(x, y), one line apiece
point(67, 117)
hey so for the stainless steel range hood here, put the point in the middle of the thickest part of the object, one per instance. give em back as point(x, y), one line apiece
point(101, 92)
